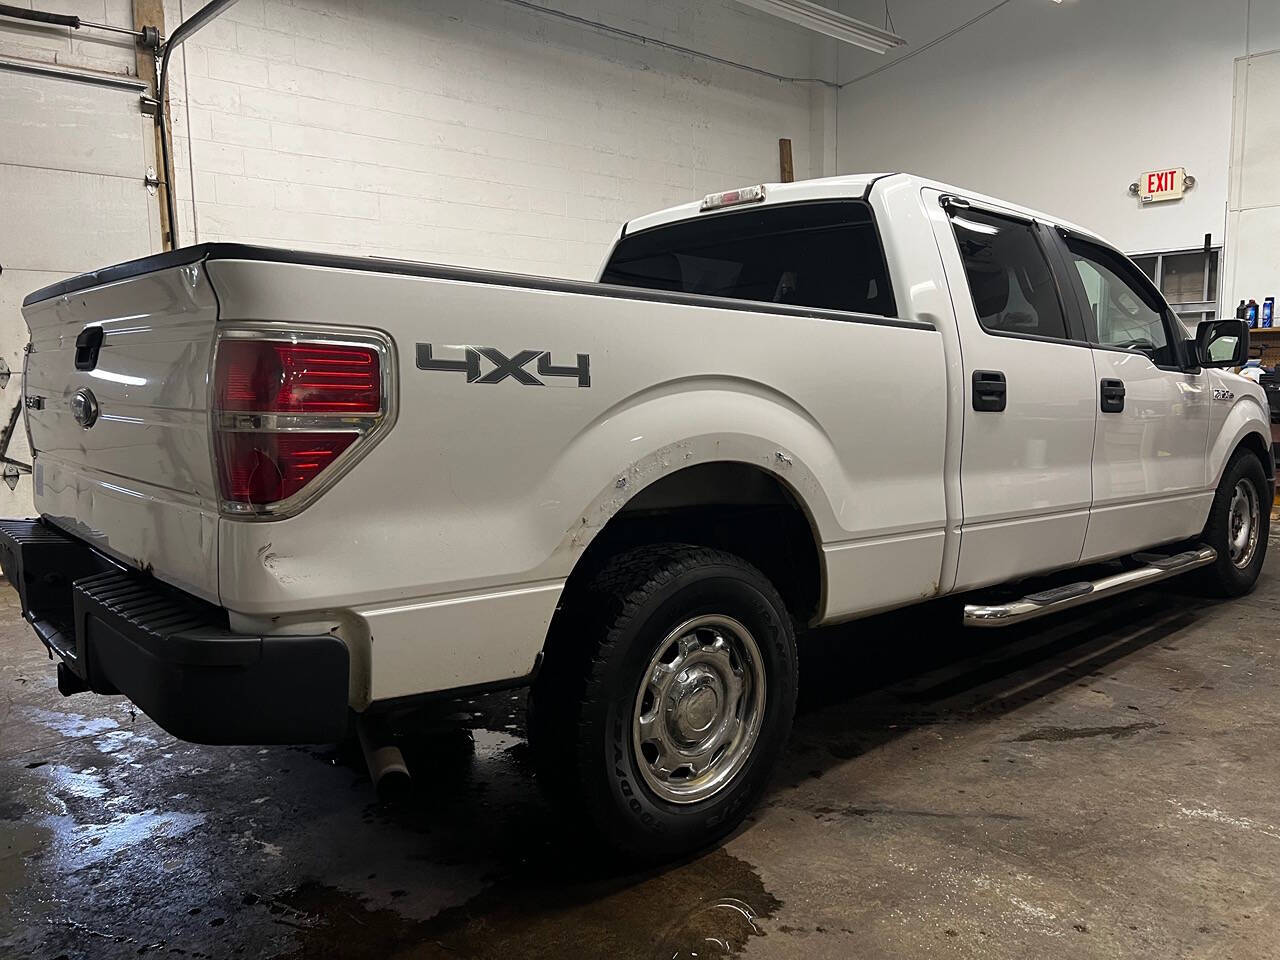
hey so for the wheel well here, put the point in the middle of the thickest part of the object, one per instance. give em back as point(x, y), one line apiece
point(1255, 443)
point(731, 506)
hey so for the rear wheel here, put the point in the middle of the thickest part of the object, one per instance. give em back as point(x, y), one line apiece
point(666, 698)
point(1239, 522)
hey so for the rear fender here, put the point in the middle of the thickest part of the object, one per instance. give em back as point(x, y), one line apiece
point(672, 429)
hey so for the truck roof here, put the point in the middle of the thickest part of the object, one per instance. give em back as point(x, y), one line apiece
point(847, 185)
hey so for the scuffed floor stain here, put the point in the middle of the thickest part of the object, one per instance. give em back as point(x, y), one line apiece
point(1196, 811)
point(1060, 734)
point(823, 810)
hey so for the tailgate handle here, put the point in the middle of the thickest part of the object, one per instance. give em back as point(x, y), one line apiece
point(87, 346)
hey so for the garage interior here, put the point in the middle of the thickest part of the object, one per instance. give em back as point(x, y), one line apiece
point(1097, 784)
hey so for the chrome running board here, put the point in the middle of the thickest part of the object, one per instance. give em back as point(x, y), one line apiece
point(1156, 567)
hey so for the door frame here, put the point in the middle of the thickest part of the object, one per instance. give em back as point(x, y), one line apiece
point(975, 532)
point(1079, 305)
point(1180, 500)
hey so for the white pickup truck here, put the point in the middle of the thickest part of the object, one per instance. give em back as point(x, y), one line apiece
point(279, 490)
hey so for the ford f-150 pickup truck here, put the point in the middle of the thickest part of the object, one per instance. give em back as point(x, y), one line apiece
point(278, 490)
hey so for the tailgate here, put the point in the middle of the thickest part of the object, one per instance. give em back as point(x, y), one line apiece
point(136, 480)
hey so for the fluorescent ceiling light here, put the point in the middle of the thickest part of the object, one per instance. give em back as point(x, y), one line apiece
point(830, 23)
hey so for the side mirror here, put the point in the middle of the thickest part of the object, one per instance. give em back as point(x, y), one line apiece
point(1222, 343)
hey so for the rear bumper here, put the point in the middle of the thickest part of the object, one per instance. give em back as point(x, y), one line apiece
point(118, 631)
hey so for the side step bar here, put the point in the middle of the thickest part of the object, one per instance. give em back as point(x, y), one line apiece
point(1156, 567)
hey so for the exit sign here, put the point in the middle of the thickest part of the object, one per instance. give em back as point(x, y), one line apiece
point(1157, 185)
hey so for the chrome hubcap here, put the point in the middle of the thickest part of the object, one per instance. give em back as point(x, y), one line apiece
point(698, 711)
point(1243, 524)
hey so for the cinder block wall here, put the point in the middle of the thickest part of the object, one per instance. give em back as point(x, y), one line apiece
point(86, 50)
point(72, 162)
point(477, 132)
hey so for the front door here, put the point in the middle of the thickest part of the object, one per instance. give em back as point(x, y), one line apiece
point(1029, 411)
point(1151, 441)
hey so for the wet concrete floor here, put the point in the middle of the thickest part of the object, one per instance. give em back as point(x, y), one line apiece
point(1101, 784)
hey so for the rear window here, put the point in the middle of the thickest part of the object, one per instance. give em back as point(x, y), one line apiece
point(822, 255)
point(1009, 276)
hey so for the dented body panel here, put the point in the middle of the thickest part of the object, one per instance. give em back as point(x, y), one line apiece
point(138, 484)
point(494, 490)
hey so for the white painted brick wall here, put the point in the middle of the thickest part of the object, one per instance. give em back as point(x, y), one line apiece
point(85, 49)
point(72, 159)
point(473, 132)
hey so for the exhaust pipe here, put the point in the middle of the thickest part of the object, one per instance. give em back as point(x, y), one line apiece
point(69, 683)
point(387, 769)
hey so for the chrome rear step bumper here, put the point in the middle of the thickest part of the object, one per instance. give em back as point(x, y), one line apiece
point(1156, 567)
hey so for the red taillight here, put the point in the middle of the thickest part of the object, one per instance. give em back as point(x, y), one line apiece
point(258, 468)
point(284, 377)
point(286, 410)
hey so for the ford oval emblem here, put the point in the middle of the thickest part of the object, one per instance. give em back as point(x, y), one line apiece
point(84, 408)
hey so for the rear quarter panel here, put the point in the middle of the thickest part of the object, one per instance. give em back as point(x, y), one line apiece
point(494, 489)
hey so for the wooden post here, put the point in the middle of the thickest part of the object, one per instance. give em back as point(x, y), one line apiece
point(786, 170)
point(150, 13)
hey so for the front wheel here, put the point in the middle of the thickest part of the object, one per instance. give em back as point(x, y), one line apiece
point(666, 698)
point(1238, 526)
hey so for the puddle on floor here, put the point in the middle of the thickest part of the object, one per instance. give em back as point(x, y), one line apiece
point(706, 908)
point(71, 724)
point(104, 852)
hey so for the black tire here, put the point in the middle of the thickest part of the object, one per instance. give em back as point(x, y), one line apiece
point(1226, 577)
point(585, 699)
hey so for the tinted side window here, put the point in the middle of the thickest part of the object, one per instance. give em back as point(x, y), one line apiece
point(1125, 312)
point(822, 255)
point(1009, 277)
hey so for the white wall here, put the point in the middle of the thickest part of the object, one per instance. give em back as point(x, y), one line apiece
point(1252, 270)
point(1061, 106)
point(476, 132)
point(84, 49)
point(73, 155)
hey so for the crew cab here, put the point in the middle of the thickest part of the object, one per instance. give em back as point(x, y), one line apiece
point(280, 490)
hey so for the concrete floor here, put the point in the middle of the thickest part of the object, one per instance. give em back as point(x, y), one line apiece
point(1103, 784)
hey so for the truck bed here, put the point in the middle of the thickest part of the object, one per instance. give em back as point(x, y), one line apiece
point(475, 505)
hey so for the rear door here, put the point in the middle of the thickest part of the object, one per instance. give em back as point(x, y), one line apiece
point(1029, 410)
point(1151, 441)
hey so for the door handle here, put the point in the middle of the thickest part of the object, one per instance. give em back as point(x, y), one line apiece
point(1112, 396)
point(990, 392)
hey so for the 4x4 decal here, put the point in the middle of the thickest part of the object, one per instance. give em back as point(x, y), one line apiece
point(504, 366)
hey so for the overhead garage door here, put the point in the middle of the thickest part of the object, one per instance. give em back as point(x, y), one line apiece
point(73, 155)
